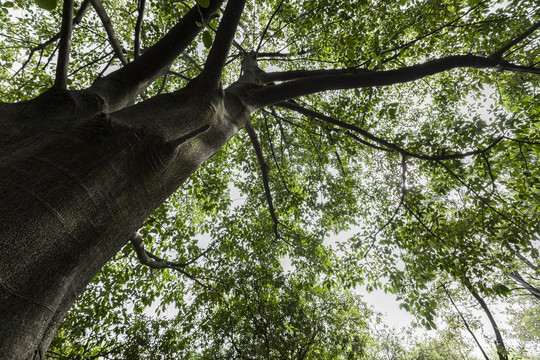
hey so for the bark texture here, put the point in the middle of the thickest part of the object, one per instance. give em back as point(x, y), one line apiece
point(76, 184)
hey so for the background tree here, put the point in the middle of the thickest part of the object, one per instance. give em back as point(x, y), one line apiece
point(414, 122)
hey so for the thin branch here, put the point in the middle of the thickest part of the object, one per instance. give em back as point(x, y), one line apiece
point(138, 29)
point(528, 262)
point(424, 225)
point(527, 286)
point(294, 106)
point(482, 198)
point(179, 75)
point(192, 60)
point(93, 62)
point(465, 323)
point(163, 83)
point(490, 172)
point(210, 77)
point(504, 65)
point(155, 262)
point(299, 74)
point(367, 143)
point(270, 143)
point(264, 171)
point(106, 67)
point(523, 141)
point(279, 54)
point(117, 47)
point(524, 159)
point(442, 27)
point(268, 26)
point(501, 348)
point(76, 20)
point(60, 81)
point(499, 53)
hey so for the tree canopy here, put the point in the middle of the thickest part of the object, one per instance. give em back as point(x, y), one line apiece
point(412, 125)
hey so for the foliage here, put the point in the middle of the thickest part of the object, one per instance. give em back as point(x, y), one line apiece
point(440, 185)
point(405, 344)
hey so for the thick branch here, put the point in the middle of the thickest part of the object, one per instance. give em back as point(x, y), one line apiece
point(60, 81)
point(210, 77)
point(117, 47)
point(498, 54)
point(120, 88)
point(299, 74)
point(274, 94)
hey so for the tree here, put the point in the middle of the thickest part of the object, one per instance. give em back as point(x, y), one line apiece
point(87, 154)
point(283, 317)
point(525, 327)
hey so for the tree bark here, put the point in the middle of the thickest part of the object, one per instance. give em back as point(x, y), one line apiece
point(73, 192)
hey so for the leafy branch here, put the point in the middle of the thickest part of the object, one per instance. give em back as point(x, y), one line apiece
point(386, 145)
point(155, 262)
point(499, 53)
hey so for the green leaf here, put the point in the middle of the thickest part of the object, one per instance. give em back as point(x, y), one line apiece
point(203, 3)
point(207, 39)
point(47, 4)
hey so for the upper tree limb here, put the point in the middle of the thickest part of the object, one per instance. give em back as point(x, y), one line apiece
point(306, 82)
point(274, 94)
point(211, 74)
point(122, 86)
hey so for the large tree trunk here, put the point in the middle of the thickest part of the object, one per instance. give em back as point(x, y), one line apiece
point(75, 185)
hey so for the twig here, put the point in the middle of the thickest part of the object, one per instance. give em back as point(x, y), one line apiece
point(481, 198)
point(401, 200)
